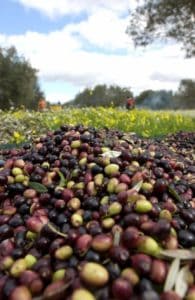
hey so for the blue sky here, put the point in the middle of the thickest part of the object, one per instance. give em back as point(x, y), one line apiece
point(80, 43)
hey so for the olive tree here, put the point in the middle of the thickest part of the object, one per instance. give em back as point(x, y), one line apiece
point(18, 81)
point(164, 19)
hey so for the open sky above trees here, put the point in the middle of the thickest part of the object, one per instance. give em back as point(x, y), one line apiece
point(81, 43)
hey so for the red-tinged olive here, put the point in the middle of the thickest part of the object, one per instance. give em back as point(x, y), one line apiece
point(35, 224)
point(83, 243)
point(20, 163)
point(20, 292)
point(88, 177)
point(28, 168)
point(158, 271)
point(55, 290)
point(119, 254)
point(8, 163)
point(130, 237)
point(122, 197)
point(170, 295)
point(60, 204)
point(27, 277)
point(148, 227)
point(44, 198)
point(4, 219)
point(6, 247)
point(125, 178)
point(122, 289)
point(67, 194)
point(102, 242)
point(141, 263)
point(32, 280)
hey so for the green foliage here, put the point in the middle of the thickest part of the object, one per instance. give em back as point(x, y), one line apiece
point(18, 81)
point(164, 19)
point(102, 95)
point(185, 95)
point(22, 126)
point(143, 95)
point(161, 99)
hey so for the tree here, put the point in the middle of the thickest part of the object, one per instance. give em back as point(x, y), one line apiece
point(164, 19)
point(161, 99)
point(18, 81)
point(143, 96)
point(102, 95)
point(185, 96)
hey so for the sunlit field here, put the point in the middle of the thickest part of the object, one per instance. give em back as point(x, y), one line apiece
point(21, 126)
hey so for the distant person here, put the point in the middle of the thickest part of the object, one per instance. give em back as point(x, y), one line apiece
point(130, 103)
point(42, 105)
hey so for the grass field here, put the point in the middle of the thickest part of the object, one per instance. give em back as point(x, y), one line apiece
point(21, 126)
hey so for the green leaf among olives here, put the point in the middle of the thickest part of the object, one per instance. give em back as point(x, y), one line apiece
point(40, 188)
point(63, 180)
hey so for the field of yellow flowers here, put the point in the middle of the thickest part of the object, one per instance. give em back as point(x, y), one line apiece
point(22, 126)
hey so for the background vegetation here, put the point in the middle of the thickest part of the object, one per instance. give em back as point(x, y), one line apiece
point(18, 81)
point(164, 20)
point(22, 126)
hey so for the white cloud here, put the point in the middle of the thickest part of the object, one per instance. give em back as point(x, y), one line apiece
point(103, 29)
point(64, 55)
point(56, 8)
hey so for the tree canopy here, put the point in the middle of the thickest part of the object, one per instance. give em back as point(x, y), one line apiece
point(164, 19)
point(185, 96)
point(18, 81)
point(102, 95)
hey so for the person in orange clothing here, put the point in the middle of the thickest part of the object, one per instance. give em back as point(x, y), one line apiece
point(42, 105)
point(130, 103)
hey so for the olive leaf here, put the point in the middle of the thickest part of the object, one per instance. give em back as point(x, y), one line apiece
point(138, 186)
point(117, 238)
point(182, 254)
point(181, 284)
point(172, 275)
point(174, 193)
point(40, 188)
point(111, 154)
point(55, 230)
point(63, 180)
